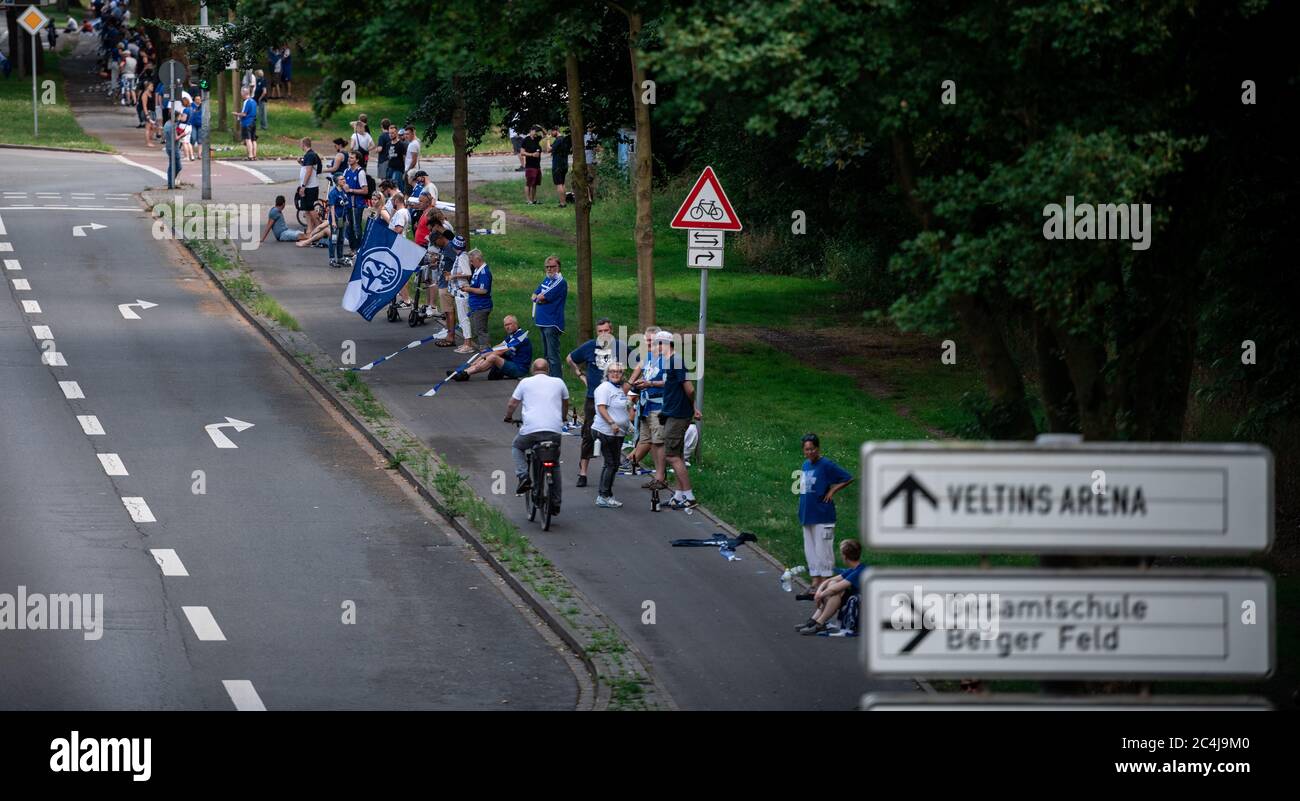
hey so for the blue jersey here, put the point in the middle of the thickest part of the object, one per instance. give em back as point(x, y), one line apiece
point(523, 355)
point(818, 478)
point(549, 312)
point(356, 179)
point(249, 119)
point(853, 575)
point(652, 398)
point(482, 279)
point(597, 359)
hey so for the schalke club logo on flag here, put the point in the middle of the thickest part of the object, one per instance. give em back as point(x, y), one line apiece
point(381, 268)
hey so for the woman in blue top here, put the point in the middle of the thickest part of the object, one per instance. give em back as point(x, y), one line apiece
point(480, 299)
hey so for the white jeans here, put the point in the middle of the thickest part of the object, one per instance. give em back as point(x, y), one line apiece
point(462, 314)
point(819, 549)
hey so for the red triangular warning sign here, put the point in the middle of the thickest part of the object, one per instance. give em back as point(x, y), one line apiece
point(707, 206)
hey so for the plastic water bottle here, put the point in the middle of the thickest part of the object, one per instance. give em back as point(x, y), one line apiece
point(787, 578)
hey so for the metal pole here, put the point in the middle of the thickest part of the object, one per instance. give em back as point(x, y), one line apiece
point(169, 139)
point(36, 125)
point(699, 347)
point(205, 131)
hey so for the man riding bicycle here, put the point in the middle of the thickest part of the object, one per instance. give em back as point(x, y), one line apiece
point(546, 403)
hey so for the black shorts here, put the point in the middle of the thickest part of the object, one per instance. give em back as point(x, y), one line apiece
point(248, 133)
point(307, 201)
point(558, 176)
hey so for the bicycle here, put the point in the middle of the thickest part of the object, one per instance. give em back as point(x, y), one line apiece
point(322, 212)
point(708, 207)
point(542, 458)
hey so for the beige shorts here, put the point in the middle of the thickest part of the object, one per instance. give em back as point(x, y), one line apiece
point(650, 430)
point(675, 435)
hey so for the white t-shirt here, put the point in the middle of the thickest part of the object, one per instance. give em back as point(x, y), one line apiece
point(462, 268)
point(543, 397)
point(412, 154)
point(128, 65)
point(362, 141)
point(401, 218)
point(616, 399)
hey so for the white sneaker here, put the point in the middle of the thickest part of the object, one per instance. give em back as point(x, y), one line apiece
point(601, 502)
point(612, 503)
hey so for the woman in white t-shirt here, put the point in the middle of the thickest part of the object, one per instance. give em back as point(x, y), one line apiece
point(610, 425)
point(361, 143)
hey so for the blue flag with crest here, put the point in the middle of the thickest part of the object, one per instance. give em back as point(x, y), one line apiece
point(381, 268)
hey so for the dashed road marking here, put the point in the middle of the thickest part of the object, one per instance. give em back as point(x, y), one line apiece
point(169, 562)
point(6, 247)
point(90, 425)
point(52, 358)
point(42, 332)
point(243, 695)
point(3, 232)
point(21, 285)
point(71, 390)
point(12, 264)
point(139, 510)
point(204, 624)
point(112, 464)
point(31, 307)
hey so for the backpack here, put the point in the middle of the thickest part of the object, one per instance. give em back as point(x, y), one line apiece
point(370, 184)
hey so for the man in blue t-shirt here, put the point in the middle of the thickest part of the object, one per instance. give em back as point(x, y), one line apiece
point(820, 479)
point(675, 417)
point(548, 313)
point(647, 381)
point(513, 358)
point(339, 206)
point(248, 124)
point(595, 355)
point(358, 189)
point(840, 595)
point(480, 299)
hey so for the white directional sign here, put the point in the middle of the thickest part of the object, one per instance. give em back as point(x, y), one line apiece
point(219, 437)
point(128, 309)
point(705, 249)
point(1068, 624)
point(987, 497)
point(1009, 702)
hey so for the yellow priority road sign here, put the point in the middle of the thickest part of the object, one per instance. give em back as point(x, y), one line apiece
point(33, 20)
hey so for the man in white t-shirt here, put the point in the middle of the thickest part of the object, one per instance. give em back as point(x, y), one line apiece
point(412, 163)
point(546, 403)
point(398, 222)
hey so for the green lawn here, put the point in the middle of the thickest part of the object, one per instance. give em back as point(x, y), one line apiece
point(290, 120)
point(58, 128)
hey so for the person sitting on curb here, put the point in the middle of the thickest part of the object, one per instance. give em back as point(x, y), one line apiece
point(839, 595)
point(275, 222)
point(511, 359)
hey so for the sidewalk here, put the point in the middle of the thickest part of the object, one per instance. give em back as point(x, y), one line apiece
point(723, 636)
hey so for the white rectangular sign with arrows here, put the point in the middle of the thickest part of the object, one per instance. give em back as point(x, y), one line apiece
point(1068, 624)
point(1146, 498)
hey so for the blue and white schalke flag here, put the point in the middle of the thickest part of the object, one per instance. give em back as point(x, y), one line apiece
point(382, 267)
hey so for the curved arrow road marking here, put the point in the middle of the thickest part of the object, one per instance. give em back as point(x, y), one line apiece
point(129, 313)
point(219, 438)
point(80, 230)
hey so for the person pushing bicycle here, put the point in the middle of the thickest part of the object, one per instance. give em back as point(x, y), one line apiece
point(546, 403)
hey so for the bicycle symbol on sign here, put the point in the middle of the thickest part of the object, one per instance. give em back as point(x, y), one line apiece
point(709, 207)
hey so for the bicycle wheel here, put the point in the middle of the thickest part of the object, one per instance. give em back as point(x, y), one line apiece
point(302, 218)
point(546, 501)
point(529, 496)
point(696, 212)
point(715, 213)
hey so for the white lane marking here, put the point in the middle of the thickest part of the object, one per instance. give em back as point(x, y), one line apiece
point(71, 390)
point(128, 313)
point(52, 358)
point(153, 170)
point(259, 175)
point(3, 232)
point(70, 208)
point(42, 332)
point(219, 438)
point(49, 194)
point(90, 424)
point(6, 247)
point(139, 510)
point(169, 562)
point(12, 264)
point(80, 230)
point(243, 695)
point(31, 307)
point(204, 624)
point(21, 285)
point(112, 464)
point(84, 194)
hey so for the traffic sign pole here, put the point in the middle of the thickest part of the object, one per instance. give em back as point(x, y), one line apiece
point(36, 124)
point(33, 20)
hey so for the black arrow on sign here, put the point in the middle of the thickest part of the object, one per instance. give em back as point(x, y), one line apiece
point(707, 254)
point(921, 634)
point(910, 486)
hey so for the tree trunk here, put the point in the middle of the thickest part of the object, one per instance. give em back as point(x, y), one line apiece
point(644, 176)
point(459, 143)
point(583, 211)
point(1059, 398)
point(1009, 417)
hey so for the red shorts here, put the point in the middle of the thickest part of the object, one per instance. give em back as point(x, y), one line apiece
point(532, 176)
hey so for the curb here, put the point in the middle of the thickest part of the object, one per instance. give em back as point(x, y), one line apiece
point(58, 149)
point(594, 696)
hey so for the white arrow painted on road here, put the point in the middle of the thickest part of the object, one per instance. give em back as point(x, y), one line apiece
point(128, 313)
point(219, 438)
point(80, 230)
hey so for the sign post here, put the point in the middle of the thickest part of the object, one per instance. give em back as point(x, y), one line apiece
point(708, 215)
point(171, 73)
point(33, 21)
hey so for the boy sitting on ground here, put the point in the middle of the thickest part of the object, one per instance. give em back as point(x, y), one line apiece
point(839, 595)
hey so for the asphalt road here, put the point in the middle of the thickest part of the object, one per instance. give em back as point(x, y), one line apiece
point(280, 536)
